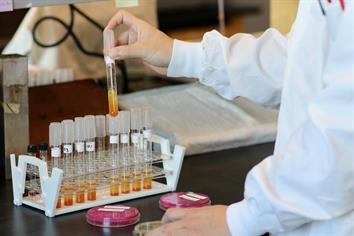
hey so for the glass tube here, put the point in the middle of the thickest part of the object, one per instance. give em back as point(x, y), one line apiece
point(147, 148)
point(124, 154)
point(90, 134)
point(108, 43)
point(67, 134)
point(31, 151)
point(100, 122)
point(80, 159)
point(136, 126)
point(55, 148)
point(113, 124)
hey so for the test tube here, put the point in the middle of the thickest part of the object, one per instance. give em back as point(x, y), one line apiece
point(80, 158)
point(67, 134)
point(55, 148)
point(124, 119)
point(100, 121)
point(147, 147)
point(90, 134)
point(108, 39)
point(32, 151)
point(43, 152)
point(136, 126)
point(113, 124)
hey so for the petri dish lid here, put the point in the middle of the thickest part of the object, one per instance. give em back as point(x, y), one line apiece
point(145, 227)
point(184, 200)
point(113, 216)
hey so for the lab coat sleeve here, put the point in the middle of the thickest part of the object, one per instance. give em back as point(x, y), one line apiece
point(312, 180)
point(241, 65)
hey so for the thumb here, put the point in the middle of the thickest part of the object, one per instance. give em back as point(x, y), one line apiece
point(126, 52)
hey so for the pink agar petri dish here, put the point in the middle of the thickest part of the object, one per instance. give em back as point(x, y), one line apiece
point(184, 200)
point(113, 216)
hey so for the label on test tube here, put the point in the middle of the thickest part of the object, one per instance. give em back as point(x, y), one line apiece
point(90, 146)
point(147, 134)
point(135, 138)
point(67, 148)
point(124, 138)
point(79, 146)
point(55, 152)
point(113, 139)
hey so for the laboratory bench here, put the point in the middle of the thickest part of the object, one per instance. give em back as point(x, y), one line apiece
point(219, 174)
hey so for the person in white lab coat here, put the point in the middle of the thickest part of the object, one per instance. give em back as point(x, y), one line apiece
point(307, 186)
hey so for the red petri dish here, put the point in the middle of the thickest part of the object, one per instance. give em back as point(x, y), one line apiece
point(184, 200)
point(113, 216)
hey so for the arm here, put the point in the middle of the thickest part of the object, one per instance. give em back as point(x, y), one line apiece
point(313, 179)
point(238, 66)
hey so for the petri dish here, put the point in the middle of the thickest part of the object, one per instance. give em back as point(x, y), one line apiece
point(113, 216)
point(145, 227)
point(184, 200)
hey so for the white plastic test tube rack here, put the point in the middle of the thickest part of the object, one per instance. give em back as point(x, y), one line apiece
point(51, 185)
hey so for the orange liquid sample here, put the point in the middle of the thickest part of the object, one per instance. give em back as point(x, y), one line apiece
point(68, 199)
point(125, 184)
point(80, 193)
point(114, 188)
point(68, 194)
point(59, 202)
point(80, 197)
point(147, 180)
point(113, 102)
point(136, 182)
point(91, 194)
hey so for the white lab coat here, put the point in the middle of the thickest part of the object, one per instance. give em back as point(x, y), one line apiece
point(307, 186)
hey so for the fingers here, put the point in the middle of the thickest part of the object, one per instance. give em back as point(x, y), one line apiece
point(122, 17)
point(173, 214)
point(123, 38)
point(126, 52)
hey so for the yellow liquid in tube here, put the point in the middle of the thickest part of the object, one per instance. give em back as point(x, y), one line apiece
point(113, 102)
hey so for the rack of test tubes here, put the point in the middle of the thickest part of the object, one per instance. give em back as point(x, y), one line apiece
point(96, 160)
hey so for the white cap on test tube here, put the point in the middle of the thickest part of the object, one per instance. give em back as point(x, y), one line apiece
point(79, 129)
point(113, 124)
point(124, 121)
point(147, 119)
point(55, 134)
point(67, 131)
point(100, 121)
point(136, 118)
point(108, 43)
point(90, 127)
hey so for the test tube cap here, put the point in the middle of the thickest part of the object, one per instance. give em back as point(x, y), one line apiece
point(67, 131)
point(100, 121)
point(90, 127)
point(136, 118)
point(43, 147)
point(31, 148)
point(79, 129)
point(113, 124)
point(124, 121)
point(55, 134)
point(108, 43)
point(147, 117)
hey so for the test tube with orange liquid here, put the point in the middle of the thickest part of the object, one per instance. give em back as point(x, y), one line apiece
point(108, 39)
